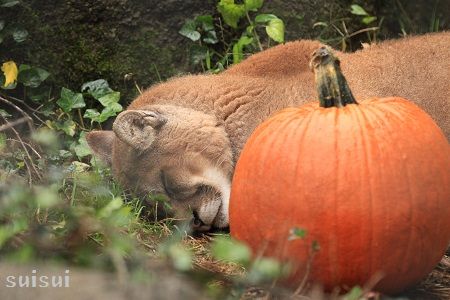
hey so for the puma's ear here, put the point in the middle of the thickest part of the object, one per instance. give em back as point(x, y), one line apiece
point(101, 142)
point(138, 128)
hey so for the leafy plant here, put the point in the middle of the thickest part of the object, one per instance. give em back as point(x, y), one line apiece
point(109, 99)
point(202, 31)
point(9, 29)
point(359, 11)
point(338, 29)
point(75, 211)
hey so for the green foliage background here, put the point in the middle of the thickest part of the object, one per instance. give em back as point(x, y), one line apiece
point(79, 41)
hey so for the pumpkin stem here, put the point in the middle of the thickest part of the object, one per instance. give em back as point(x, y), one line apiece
point(331, 84)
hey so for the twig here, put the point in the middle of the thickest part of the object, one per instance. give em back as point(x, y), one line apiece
point(81, 118)
point(30, 120)
point(138, 88)
point(14, 123)
point(27, 144)
point(373, 281)
point(157, 72)
point(299, 290)
point(30, 180)
point(255, 34)
point(26, 105)
point(363, 30)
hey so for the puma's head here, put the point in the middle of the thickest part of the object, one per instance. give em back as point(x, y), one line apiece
point(179, 152)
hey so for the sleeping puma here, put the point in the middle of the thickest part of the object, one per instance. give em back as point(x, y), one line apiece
point(183, 137)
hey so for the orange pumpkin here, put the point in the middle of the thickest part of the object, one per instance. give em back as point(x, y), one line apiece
point(368, 182)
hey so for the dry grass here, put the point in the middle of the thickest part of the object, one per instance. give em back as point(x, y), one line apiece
point(204, 261)
point(437, 283)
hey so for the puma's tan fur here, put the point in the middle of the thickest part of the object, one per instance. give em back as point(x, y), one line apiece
point(204, 120)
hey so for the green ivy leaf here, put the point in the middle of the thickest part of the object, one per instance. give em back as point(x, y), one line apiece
point(189, 30)
point(253, 5)
point(116, 107)
point(110, 111)
point(106, 113)
point(369, 19)
point(70, 100)
point(39, 94)
point(19, 35)
point(210, 38)
point(68, 126)
point(249, 30)
point(2, 24)
point(97, 88)
point(109, 99)
point(358, 10)
point(275, 30)
point(82, 148)
point(206, 22)
point(31, 76)
point(91, 114)
point(238, 48)
point(231, 12)
point(8, 3)
point(264, 18)
point(47, 109)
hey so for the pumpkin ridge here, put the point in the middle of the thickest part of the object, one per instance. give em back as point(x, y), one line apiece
point(362, 119)
point(336, 193)
point(301, 131)
point(411, 214)
point(384, 120)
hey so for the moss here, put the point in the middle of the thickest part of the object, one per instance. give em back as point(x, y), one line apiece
point(78, 42)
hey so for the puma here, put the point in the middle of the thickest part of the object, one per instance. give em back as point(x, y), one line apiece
point(182, 138)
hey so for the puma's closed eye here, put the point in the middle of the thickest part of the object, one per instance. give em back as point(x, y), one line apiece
point(179, 191)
